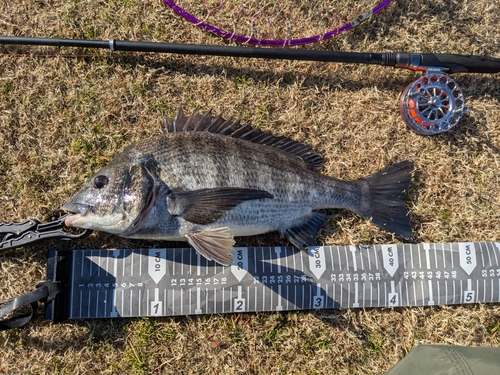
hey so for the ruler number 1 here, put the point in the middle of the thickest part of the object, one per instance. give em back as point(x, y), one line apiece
point(156, 308)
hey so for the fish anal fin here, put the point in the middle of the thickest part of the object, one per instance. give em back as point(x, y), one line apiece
point(304, 234)
point(214, 244)
point(206, 206)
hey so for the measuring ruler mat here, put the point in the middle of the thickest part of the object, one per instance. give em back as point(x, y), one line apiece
point(168, 282)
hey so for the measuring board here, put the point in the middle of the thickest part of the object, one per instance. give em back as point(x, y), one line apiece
point(168, 282)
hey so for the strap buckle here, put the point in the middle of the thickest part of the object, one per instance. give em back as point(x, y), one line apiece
point(44, 292)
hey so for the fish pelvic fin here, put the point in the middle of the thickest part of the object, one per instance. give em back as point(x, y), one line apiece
point(383, 199)
point(304, 233)
point(214, 244)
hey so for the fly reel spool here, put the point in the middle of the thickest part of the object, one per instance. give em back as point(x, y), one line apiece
point(432, 104)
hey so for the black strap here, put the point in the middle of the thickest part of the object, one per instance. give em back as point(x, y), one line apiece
point(45, 291)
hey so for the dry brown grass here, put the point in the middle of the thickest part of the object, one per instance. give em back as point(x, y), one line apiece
point(63, 117)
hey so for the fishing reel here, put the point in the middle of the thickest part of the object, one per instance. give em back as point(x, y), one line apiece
point(432, 104)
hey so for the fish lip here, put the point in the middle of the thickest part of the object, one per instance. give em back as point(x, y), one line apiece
point(77, 210)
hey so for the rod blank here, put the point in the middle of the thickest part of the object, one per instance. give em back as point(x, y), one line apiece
point(449, 63)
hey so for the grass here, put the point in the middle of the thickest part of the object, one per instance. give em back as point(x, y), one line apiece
point(64, 116)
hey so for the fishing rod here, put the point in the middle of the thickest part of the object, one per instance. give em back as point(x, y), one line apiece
point(432, 104)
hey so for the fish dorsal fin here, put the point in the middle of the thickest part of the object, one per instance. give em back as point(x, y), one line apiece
point(197, 122)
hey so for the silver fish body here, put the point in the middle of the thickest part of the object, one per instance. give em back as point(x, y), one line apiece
point(208, 179)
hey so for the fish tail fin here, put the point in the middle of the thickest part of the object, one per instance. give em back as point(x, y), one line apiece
point(383, 199)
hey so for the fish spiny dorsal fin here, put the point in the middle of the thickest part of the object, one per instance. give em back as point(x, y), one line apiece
point(203, 122)
point(180, 119)
point(191, 122)
point(197, 122)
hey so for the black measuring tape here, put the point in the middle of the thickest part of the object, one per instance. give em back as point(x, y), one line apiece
point(169, 282)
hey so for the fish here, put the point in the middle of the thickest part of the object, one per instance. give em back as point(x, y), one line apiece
point(206, 180)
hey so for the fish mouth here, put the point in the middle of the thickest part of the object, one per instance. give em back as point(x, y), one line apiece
point(77, 210)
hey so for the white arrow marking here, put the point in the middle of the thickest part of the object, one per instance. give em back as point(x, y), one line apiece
point(157, 264)
point(468, 259)
point(240, 263)
point(317, 260)
point(390, 258)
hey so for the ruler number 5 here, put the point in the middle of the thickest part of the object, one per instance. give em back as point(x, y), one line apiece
point(469, 296)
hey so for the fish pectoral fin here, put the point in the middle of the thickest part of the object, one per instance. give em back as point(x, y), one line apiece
point(206, 206)
point(214, 244)
point(304, 234)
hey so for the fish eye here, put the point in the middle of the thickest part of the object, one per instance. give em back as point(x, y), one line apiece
point(100, 181)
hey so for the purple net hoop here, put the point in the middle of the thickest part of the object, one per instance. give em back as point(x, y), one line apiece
point(275, 42)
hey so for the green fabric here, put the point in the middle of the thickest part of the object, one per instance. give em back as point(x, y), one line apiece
point(449, 360)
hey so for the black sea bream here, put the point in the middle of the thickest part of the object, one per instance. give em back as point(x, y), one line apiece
point(206, 180)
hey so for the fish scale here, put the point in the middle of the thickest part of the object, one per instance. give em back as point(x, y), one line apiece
point(208, 179)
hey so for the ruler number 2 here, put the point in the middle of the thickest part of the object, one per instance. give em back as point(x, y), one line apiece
point(239, 304)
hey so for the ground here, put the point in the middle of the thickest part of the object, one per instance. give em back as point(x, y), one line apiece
point(66, 112)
